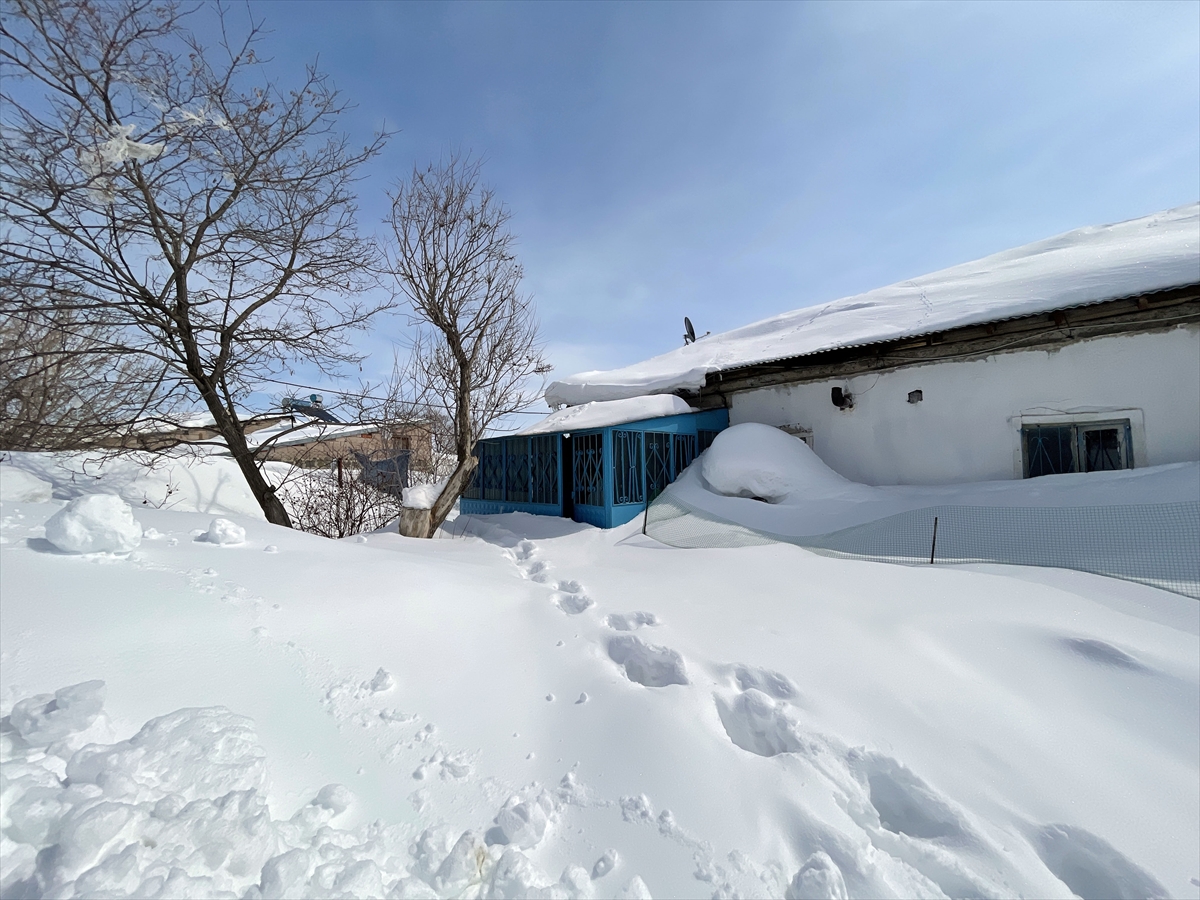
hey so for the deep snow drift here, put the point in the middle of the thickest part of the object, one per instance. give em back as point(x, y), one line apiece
point(750, 462)
point(540, 708)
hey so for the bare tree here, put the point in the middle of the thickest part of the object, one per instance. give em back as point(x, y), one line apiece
point(59, 390)
point(476, 344)
point(337, 504)
point(173, 197)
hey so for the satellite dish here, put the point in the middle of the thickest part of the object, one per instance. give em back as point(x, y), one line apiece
point(689, 333)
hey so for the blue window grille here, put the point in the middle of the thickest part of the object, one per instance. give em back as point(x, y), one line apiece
point(1076, 447)
point(627, 467)
point(588, 469)
point(705, 439)
point(658, 463)
point(684, 451)
point(491, 466)
point(544, 468)
point(516, 470)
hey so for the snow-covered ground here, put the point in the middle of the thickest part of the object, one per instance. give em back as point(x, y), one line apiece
point(539, 708)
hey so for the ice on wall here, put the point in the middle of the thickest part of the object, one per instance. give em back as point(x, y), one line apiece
point(95, 523)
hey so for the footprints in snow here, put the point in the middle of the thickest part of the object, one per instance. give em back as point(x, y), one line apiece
point(1091, 867)
point(568, 595)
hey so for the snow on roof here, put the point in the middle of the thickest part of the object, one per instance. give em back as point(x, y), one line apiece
point(314, 430)
point(1088, 265)
point(603, 413)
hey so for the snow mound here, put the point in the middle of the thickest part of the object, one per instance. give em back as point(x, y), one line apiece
point(94, 524)
point(224, 532)
point(46, 718)
point(19, 486)
point(422, 496)
point(645, 663)
point(818, 879)
point(190, 753)
point(763, 463)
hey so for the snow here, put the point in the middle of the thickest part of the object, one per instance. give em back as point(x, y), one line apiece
point(188, 482)
point(371, 720)
point(97, 523)
point(1087, 265)
point(224, 532)
point(761, 462)
point(603, 413)
point(422, 496)
point(751, 461)
point(19, 486)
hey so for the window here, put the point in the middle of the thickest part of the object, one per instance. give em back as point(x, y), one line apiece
point(627, 467)
point(1055, 449)
point(588, 469)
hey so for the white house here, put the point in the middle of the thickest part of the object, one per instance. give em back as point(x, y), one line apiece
point(1076, 353)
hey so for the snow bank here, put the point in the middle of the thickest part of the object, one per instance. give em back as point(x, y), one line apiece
point(94, 524)
point(422, 496)
point(899, 731)
point(19, 486)
point(1083, 266)
point(180, 810)
point(763, 463)
point(611, 412)
point(750, 461)
point(183, 481)
point(46, 718)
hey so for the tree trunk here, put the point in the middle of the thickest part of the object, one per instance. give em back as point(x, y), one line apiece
point(235, 439)
point(455, 485)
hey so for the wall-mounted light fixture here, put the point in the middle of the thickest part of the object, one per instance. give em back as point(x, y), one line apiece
point(915, 396)
point(842, 399)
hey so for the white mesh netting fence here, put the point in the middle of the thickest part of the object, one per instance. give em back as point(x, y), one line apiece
point(1154, 543)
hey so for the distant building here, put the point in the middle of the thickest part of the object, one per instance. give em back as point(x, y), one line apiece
point(1073, 354)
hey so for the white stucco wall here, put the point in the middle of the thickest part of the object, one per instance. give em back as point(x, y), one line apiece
point(967, 427)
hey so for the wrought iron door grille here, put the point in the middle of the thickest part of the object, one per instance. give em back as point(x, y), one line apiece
point(627, 467)
point(658, 462)
point(588, 466)
point(684, 453)
point(516, 470)
point(491, 464)
point(705, 439)
point(544, 465)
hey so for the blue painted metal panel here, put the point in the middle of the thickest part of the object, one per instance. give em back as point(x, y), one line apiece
point(536, 467)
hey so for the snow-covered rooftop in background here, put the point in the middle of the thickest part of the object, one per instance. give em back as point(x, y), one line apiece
point(1088, 265)
point(603, 413)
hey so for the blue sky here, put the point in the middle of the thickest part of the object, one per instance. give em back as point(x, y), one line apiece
point(732, 161)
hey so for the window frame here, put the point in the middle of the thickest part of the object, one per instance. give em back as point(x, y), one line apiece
point(1077, 442)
